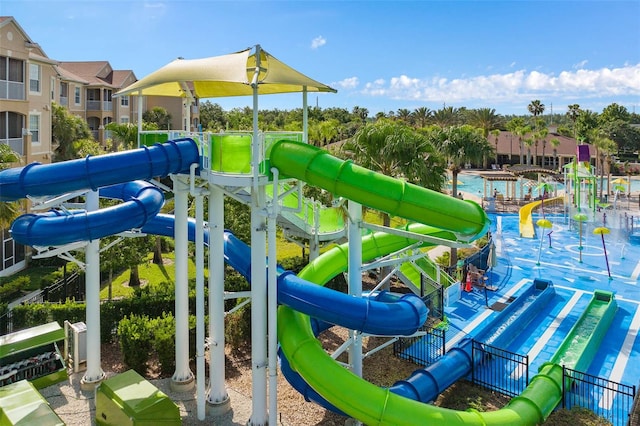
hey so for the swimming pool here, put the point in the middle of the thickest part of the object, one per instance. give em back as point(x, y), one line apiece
point(473, 183)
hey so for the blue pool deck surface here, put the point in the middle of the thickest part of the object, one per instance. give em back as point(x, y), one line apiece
point(618, 358)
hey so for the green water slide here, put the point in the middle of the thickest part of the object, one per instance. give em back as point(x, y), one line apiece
point(375, 190)
point(353, 395)
point(329, 223)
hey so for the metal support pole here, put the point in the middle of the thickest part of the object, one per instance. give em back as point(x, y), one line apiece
point(94, 374)
point(218, 399)
point(355, 280)
point(200, 367)
point(182, 379)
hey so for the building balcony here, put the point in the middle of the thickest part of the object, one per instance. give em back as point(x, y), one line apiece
point(12, 90)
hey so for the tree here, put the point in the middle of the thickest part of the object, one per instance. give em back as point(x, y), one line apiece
point(573, 112)
point(8, 210)
point(486, 120)
point(615, 112)
point(404, 115)
point(528, 142)
point(512, 126)
point(496, 138)
point(360, 113)
point(536, 108)
point(540, 135)
point(421, 116)
point(159, 116)
point(447, 116)
point(397, 150)
point(555, 143)
point(586, 122)
point(126, 134)
point(66, 128)
point(460, 145)
point(521, 132)
point(128, 253)
point(212, 117)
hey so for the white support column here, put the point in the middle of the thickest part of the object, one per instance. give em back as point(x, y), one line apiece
point(258, 307)
point(94, 374)
point(182, 379)
point(272, 304)
point(218, 400)
point(199, 245)
point(355, 280)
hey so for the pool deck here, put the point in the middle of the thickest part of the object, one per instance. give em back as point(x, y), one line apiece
point(557, 258)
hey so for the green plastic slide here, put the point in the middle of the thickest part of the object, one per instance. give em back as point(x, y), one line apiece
point(359, 399)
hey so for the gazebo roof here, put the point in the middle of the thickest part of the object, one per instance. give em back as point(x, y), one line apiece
point(499, 176)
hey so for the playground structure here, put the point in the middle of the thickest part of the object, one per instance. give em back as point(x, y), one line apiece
point(262, 170)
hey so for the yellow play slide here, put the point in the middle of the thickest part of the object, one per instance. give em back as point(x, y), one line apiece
point(526, 222)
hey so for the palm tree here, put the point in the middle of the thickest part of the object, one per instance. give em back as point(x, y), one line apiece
point(361, 113)
point(421, 116)
point(404, 114)
point(536, 108)
point(447, 116)
point(461, 145)
point(395, 149)
point(496, 137)
point(521, 132)
point(528, 142)
point(486, 120)
point(541, 135)
point(512, 125)
point(555, 143)
point(572, 112)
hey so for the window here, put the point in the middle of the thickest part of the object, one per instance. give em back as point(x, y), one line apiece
point(124, 101)
point(34, 78)
point(77, 96)
point(53, 89)
point(64, 93)
point(124, 120)
point(11, 69)
point(34, 128)
point(12, 79)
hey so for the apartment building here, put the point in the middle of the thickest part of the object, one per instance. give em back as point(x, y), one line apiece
point(87, 89)
point(30, 81)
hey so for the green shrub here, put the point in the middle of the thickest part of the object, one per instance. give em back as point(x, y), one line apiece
point(238, 329)
point(13, 288)
point(294, 264)
point(135, 337)
point(164, 342)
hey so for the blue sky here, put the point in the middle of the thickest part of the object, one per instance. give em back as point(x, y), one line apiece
point(380, 55)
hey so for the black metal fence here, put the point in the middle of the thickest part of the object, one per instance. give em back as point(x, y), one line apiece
point(69, 287)
point(498, 369)
point(422, 350)
point(508, 373)
point(610, 400)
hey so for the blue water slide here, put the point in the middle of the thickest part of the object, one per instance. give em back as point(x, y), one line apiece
point(94, 172)
point(427, 383)
point(384, 313)
point(142, 201)
point(119, 176)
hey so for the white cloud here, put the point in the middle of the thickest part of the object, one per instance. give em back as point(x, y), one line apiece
point(508, 87)
point(580, 64)
point(318, 42)
point(348, 83)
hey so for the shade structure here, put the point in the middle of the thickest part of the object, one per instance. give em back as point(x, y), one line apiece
point(226, 75)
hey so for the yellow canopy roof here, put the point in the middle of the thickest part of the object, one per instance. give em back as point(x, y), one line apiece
point(222, 76)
